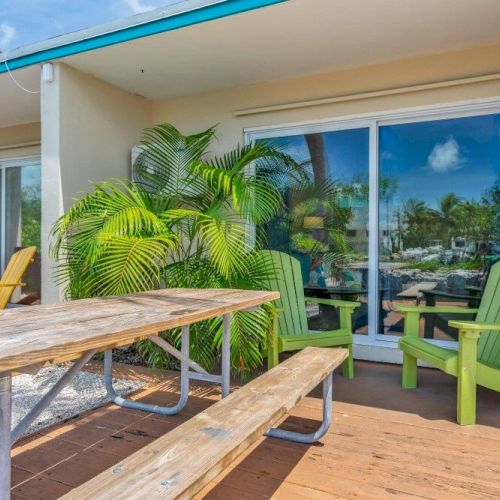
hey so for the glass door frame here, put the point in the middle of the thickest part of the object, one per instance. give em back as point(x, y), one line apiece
point(373, 121)
point(22, 161)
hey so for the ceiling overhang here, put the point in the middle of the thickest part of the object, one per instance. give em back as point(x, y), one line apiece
point(236, 43)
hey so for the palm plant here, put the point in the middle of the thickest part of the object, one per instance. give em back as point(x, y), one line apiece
point(184, 221)
point(309, 200)
point(419, 220)
point(447, 216)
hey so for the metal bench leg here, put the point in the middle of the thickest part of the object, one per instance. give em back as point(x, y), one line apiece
point(5, 440)
point(136, 405)
point(300, 437)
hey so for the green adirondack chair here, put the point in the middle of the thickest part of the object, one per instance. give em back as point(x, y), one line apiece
point(478, 358)
point(291, 330)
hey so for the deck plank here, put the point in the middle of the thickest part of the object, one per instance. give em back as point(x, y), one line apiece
point(180, 463)
point(384, 442)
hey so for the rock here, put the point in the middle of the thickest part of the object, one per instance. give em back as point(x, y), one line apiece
point(128, 355)
point(396, 280)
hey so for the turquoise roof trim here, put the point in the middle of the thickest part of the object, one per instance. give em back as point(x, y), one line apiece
point(181, 20)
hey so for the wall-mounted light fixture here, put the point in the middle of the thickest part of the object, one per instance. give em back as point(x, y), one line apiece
point(47, 72)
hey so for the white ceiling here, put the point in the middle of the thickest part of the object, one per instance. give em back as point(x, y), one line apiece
point(288, 39)
point(16, 105)
point(292, 38)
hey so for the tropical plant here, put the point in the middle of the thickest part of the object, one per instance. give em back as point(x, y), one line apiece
point(419, 220)
point(314, 222)
point(476, 221)
point(184, 221)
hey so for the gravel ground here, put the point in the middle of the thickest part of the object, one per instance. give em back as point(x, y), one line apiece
point(85, 392)
point(128, 355)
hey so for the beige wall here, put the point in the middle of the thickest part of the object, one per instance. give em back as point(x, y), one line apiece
point(99, 124)
point(88, 129)
point(19, 140)
point(193, 113)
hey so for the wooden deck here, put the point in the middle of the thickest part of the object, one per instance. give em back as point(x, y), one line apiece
point(384, 442)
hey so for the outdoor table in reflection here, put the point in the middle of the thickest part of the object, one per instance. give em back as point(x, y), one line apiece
point(360, 316)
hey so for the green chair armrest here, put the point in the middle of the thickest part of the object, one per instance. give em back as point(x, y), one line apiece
point(412, 314)
point(348, 304)
point(436, 310)
point(346, 308)
point(473, 326)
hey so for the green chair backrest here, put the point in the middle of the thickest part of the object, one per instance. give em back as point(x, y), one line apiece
point(488, 348)
point(287, 280)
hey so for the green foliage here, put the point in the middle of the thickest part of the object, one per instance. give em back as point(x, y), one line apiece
point(473, 220)
point(435, 265)
point(31, 209)
point(308, 199)
point(184, 222)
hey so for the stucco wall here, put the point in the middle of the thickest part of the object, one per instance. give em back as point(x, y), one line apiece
point(193, 113)
point(19, 140)
point(88, 129)
point(99, 124)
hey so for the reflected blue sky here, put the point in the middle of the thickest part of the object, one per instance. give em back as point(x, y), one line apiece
point(31, 176)
point(346, 151)
point(431, 159)
point(427, 159)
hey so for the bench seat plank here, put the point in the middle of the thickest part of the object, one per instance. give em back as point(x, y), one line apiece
point(182, 462)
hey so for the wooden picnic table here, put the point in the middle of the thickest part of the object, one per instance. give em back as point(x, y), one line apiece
point(33, 336)
point(416, 291)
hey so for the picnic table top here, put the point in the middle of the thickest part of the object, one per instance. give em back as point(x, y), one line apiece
point(38, 334)
point(415, 291)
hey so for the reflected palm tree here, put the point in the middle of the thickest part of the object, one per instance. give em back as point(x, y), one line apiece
point(448, 215)
point(317, 153)
point(419, 219)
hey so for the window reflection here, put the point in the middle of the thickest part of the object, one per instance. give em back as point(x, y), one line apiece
point(439, 216)
point(325, 225)
point(22, 224)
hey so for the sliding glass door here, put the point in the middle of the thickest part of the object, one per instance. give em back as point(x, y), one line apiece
point(394, 212)
point(20, 219)
point(325, 225)
point(439, 216)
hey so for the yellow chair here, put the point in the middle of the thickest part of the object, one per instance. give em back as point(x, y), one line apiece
point(11, 278)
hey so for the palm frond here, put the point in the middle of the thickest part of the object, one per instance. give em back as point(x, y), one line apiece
point(184, 222)
point(130, 264)
point(166, 157)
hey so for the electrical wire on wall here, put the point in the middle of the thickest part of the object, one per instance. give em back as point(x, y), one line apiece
point(17, 83)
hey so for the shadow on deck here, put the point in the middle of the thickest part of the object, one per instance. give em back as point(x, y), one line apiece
point(384, 441)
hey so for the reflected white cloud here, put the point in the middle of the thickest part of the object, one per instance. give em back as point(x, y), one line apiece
point(445, 156)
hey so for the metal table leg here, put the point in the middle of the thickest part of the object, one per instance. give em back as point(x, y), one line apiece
point(45, 401)
point(5, 440)
point(8, 437)
point(136, 405)
point(300, 437)
point(186, 374)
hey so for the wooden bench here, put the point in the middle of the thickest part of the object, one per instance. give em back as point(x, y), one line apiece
point(180, 463)
point(33, 336)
